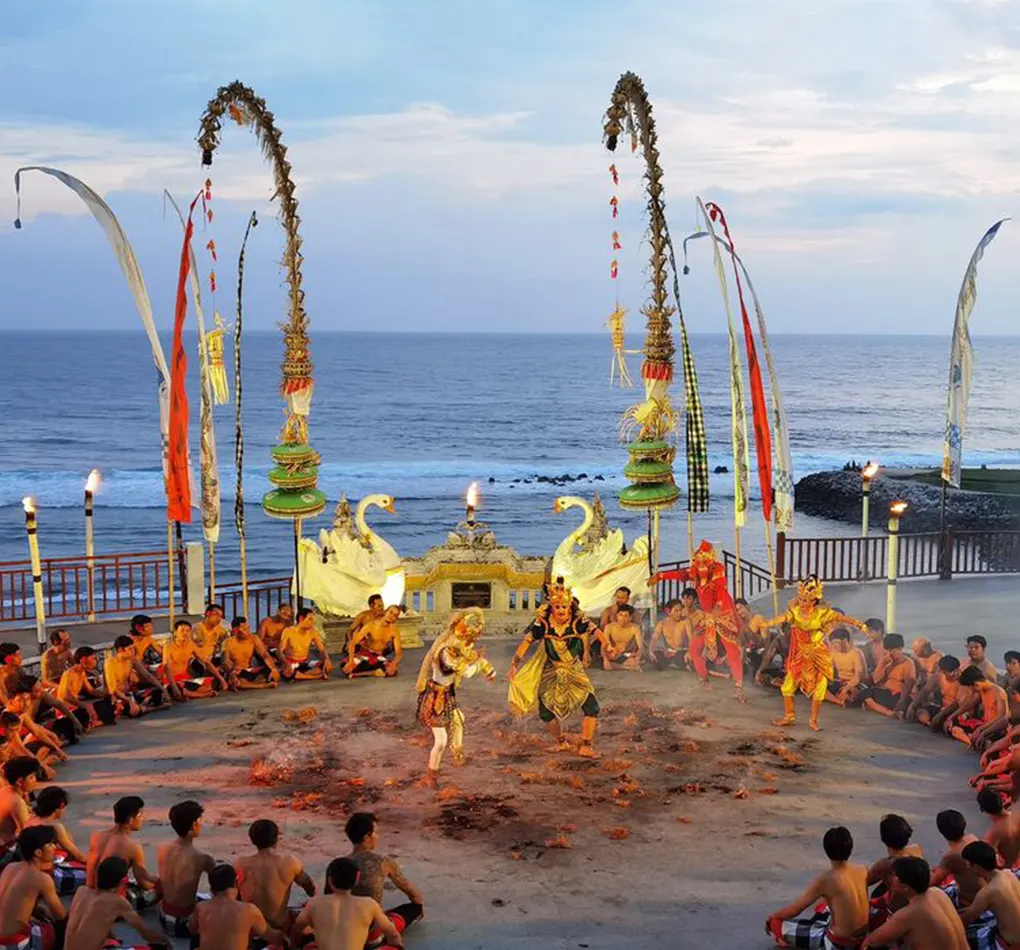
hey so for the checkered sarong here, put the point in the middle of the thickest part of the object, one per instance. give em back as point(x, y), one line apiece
point(983, 934)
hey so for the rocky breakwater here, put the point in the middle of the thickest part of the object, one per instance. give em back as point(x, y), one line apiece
point(837, 496)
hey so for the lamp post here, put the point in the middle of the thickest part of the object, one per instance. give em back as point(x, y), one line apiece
point(90, 553)
point(896, 510)
point(33, 546)
point(867, 474)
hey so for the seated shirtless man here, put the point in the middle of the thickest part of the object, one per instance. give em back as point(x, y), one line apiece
point(31, 913)
point(985, 703)
point(374, 611)
point(895, 833)
point(893, 680)
point(622, 646)
point(38, 740)
point(938, 697)
point(181, 866)
point(266, 877)
point(68, 859)
point(181, 659)
point(208, 634)
point(669, 638)
point(116, 842)
point(148, 650)
point(926, 659)
point(20, 778)
point(843, 887)
point(95, 911)
point(271, 628)
point(848, 664)
point(1000, 894)
point(376, 650)
point(56, 659)
point(303, 654)
point(376, 869)
point(225, 922)
point(133, 689)
point(1003, 831)
point(953, 873)
point(78, 691)
point(342, 920)
point(246, 661)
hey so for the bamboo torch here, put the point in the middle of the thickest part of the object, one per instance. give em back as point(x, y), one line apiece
point(37, 588)
point(91, 485)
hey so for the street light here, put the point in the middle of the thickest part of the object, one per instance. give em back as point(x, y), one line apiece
point(896, 510)
point(867, 474)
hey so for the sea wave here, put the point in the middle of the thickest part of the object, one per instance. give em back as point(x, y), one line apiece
point(142, 488)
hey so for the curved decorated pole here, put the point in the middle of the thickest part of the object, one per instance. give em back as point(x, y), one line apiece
point(295, 476)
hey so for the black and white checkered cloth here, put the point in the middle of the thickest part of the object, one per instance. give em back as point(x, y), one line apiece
point(983, 933)
point(694, 431)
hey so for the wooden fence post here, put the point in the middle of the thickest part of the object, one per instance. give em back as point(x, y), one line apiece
point(947, 543)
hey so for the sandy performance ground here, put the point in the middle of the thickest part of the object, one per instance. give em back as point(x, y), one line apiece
point(699, 819)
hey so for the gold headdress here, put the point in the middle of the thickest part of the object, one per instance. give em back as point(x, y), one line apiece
point(812, 587)
point(560, 595)
point(463, 629)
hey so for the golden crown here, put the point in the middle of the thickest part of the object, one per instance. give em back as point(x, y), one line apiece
point(560, 595)
point(812, 587)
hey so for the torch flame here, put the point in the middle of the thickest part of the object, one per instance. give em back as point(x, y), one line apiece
point(472, 495)
point(93, 481)
point(897, 508)
point(29, 505)
point(870, 470)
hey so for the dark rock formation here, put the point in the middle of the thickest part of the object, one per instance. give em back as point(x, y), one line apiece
point(721, 470)
point(837, 496)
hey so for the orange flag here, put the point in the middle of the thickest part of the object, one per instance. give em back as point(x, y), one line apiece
point(178, 482)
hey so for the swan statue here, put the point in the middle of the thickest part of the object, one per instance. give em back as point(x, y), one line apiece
point(594, 560)
point(351, 562)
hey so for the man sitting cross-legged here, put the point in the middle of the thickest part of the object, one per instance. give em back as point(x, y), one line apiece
point(20, 776)
point(843, 888)
point(848, 664)
point(188, 673)
point(376, 869)
point(271, 629)
point(303, 654)
point(266, 877)
point(893, 679)
point(927, 921)
point(246, 661)
point(622, 646)
point(116, 842)
point(953, 871)
point(341, 920)
point(669, 638)
point(38, 740)
point(68, 859)
point(985, 703)
point(938, 698)
point(77, 690)
point(376, 650)
point(1000, 894)
point(226, 922)
point(181, 866)
point(31, 914)
point(95, 911)
point(133, 689)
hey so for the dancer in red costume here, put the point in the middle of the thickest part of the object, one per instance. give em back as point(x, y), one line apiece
point(708, 575)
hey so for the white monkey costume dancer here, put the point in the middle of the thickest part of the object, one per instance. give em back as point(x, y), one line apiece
point(451, 658)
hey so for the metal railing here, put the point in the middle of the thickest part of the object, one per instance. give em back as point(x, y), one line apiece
point(265, 597)
point(110, 585)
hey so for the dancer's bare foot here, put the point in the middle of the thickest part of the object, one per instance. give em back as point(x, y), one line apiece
point(458, 758)
point(785, 721)
point(587, 751)
point(429, 780)
point(706, 684)
point(813, 724)
point(562, 745)
point(738, 695)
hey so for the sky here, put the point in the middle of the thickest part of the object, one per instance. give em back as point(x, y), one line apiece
point(450, 169)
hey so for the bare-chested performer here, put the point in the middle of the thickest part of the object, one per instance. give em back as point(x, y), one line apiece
point(938, 697)
point(78, 691)
point(271, 628)
point(181, 660)
point(68, 859)
point(94, 911)
point(620, 599)
point(895, 833)
point(246, 661)
point(893, 680)
point(148, 650)
point(376, 650)
point(266, 877)
point(622, 644)
point(39, 741)
point(1000, 894)
point(31, 914)
point(303, 653)
point(848, 666)
point(985, 703)
point(953, 871)
point(977, 647)
point(843, 888)
point(928, 921)
point(669, 638)
point(208, 634)
point(56, 659)
point(181, 866)
point(20, 778)
point(116, 842)
point(926, 659)
point(374, 611)
point(376, 869)
point(131, 686)
point(225, 922)
point(341, 920)
point(1003, 831)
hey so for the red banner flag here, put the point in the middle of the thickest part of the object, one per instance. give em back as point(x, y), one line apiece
point(178, 481)
point(760, 414)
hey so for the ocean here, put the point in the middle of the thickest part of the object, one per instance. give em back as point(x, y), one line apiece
point(420, 416)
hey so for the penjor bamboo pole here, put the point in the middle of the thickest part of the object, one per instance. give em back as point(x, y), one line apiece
point(655, 557)
point(738, 582)
point(244, 576)
point(170, 565)
point(297, 563)
point(212, 573)
point(772, 569)
point(690, 536)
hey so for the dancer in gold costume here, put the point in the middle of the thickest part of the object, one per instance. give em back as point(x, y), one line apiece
point(451, 658)
point(554, 679)
point(809, 663)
